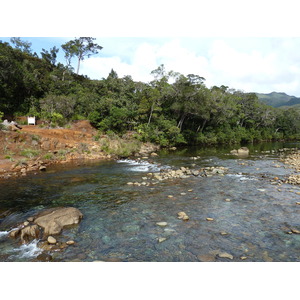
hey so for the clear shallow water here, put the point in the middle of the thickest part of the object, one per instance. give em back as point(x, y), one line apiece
point(119, 221)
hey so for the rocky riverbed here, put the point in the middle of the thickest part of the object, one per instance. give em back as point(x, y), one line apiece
point(293, 161)
point(184, 205)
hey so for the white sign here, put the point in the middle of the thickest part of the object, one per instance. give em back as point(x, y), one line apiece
point(31, 120)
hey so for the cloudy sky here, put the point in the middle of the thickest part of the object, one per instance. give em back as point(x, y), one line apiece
point(252, 46)
point(246, 63)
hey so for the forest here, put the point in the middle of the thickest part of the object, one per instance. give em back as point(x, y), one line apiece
point(172, 109)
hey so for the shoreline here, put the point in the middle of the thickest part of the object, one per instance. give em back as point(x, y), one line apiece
point(32, 149)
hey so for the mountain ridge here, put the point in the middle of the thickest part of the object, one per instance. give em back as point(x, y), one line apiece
point(278, 99)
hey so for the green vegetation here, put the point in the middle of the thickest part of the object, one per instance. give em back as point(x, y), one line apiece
point(172, 109)
point(30, 153)
point(49, 156)
point(279, 100)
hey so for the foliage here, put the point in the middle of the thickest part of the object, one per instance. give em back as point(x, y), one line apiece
point(172, 109)
point(30, 153)
point(81, 47)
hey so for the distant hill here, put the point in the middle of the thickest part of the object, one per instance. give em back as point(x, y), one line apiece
point(278, 99)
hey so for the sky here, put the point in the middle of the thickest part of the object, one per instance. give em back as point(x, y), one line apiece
point(262, 64)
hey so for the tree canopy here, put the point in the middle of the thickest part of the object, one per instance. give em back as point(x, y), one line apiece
point(172, 109)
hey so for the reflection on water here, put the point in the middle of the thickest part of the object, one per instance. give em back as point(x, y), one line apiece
point(251, 214)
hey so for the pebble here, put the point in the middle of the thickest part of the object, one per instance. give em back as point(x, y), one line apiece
point(51, 240)
point(71, 242)
point(162, 224)
point(81, 256)
point(223, 233)
point(182, 215)
point(161, 239)
point(243, 257)
point(130, 183)
point(209, 219)
point(227, 200)
point(182, 194)
point(190, 190)
point(295, 231)
point(225, 255)
point(44, 257)
point(170, 196)
point(26, 223)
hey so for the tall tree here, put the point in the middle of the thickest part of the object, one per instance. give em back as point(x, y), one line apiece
point(51, 56)
point(24, 46)
point(81, 48)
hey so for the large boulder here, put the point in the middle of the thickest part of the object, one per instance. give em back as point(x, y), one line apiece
point(148, 148)
point(29, 233)
point(53, 220)
point(13, 126)
point(243, 151)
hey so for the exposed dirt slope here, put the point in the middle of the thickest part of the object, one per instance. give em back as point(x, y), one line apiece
point(32, 146)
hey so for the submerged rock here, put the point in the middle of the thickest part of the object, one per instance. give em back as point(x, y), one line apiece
point(182, 215)
point(225, 255)
point(44, 257)
point(162, 224)
point(242, 152)
point(161, 239)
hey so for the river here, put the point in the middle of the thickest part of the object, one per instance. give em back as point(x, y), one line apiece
point(120, 220)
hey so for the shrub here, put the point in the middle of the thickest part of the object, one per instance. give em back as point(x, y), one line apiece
point(30, 153)
point(49, 156)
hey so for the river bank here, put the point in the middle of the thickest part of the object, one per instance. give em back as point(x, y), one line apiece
point(31, 149)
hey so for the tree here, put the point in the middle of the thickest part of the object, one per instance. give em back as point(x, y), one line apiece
point(50, 57)
point(81, 48)
point(189, 97)
point(24, 46)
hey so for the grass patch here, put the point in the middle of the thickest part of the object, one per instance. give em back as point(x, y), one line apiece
point(35, 137)
point(48, 156)
point(30, 153)
point(9, 157)
point(120, 147)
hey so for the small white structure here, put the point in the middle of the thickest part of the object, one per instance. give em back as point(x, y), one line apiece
point(31, 120)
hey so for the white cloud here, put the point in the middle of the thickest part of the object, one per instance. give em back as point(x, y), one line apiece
point(252, 65)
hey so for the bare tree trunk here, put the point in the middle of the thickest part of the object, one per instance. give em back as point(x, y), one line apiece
point(180, 123)
point(78, 65)
point(200, 128)
point(151, 112)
